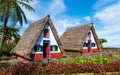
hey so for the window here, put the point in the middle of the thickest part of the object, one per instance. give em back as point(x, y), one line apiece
point(46, 33)
point(53, 48)
point(85, 45)
point(93, 44)
point(38, 48)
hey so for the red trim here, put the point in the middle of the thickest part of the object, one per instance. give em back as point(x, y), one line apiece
point(89, 42)
point(86, 50)
point(46, 35)
point(95, 50)
point(36, 56)
point(89, 35)
point(55, 55)
point(47, 45)
point(52, 55)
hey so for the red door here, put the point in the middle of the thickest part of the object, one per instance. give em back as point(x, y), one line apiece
point(46, 49)
point(89, 46)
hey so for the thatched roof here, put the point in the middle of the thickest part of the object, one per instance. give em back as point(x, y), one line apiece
point(30, 36)
point(73, 38)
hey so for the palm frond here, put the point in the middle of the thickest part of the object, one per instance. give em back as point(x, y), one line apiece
point(19, 15)
point(27, 0)
point(26, 5)
point(23, 15)
point(11, 32)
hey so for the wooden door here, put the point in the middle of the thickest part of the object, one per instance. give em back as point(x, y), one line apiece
point(46, 50)
point(89, 46)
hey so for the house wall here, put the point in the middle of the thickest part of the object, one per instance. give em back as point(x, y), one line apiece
point(52, 54)
point(93, 49)
point(20, 58)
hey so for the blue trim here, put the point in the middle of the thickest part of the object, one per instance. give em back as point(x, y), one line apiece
point(36, 48)
point(85, 44)
point(93, 44)
point(53, 46)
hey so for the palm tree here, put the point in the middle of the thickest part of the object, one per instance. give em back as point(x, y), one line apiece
point(12, 6)
point(12, 34)
point(11, 39)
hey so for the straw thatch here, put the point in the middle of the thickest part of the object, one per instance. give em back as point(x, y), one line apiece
point(73, 38)
point(31, 35)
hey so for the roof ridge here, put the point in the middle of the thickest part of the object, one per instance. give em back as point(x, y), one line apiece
point(90, 24)
point(43, 18)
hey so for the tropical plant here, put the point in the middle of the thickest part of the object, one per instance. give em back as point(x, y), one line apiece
point(8, 7)
point(7, 47)
point(12, 34)
point(102, 40)
point(11, 39)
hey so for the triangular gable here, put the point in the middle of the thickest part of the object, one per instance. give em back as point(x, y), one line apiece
point(95, 45)
point(73, 38)
point(30, 36)
point(50, 37)
point(93, 42)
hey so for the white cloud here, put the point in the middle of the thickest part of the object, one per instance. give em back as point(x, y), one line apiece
point(110, 13)
point(77, 23)
point(56, 7)
point(109, 30)
point(112, 40)
point(101, 3)
point(110, 19)
point(42, 8)
point(87, 18)
point(31, 16)
point(63, 24)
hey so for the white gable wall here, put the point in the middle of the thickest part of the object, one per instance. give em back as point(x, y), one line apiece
point(51, 39)
point(92, 39)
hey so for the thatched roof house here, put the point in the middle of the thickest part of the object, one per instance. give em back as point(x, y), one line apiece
point(35, 31)
point(76, 38)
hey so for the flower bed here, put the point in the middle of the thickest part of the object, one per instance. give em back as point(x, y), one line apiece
point(39, 69)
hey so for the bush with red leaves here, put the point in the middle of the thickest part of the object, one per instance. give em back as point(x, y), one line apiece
point(38, 69)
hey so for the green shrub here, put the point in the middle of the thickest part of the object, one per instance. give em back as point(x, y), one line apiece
point(100, 60)
point(7, 48)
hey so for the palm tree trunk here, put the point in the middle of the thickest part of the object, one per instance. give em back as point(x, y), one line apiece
point(4, 27)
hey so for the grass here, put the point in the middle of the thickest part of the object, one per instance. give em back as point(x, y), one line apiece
point(100, 60)
point(116, 56)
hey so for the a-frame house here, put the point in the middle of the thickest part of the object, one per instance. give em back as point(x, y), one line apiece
point(40, 40)
point(80, 39)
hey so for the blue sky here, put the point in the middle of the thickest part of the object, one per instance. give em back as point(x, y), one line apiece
point(105, 14)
